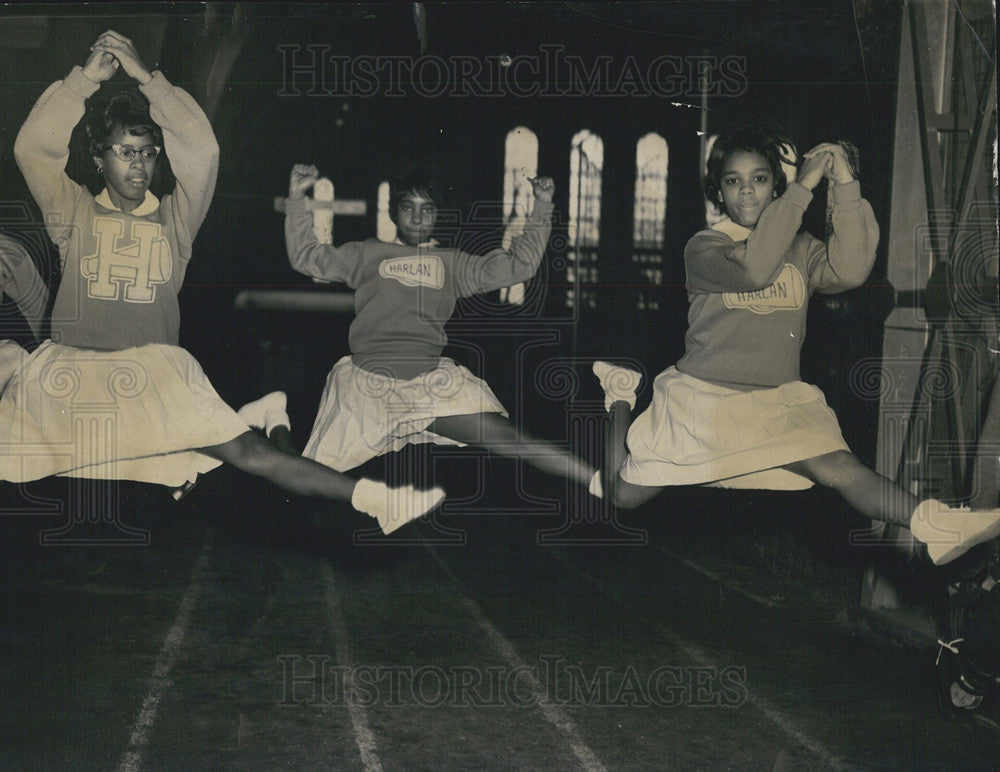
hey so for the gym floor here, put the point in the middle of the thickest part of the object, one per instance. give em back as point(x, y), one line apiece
point(238, 629)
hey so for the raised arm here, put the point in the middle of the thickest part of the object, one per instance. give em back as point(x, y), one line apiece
point(519, 262)
point(42, 145)
point(188, 138)
point(719, 262)
point(715, 262)
point(324, 262)
point(847, 259)
point(41, 149)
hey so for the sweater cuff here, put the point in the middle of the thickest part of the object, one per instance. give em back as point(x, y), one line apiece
point(542, 210)
point(846, 193)
point(80, 84)
point(296, 205)
point(157, 88)
point(798, 195)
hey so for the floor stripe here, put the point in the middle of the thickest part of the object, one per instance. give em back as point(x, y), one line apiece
point(829, 759)
point(139, 738)
point(555, 716)
point(363, 735)
point(716, 578)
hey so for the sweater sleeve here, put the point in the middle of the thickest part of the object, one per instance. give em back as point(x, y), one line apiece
point(323, 262)
point(23, 284)
point(41, 149)
point(193, 151)
point(504, 267)
point(847, 259)
point(716, 263)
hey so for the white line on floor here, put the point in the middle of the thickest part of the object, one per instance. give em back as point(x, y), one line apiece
point(828, 758)
point(721, 580)
point(555, 716)
point(139, 738)
point(363, 735)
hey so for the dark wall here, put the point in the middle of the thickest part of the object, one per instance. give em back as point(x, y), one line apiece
point(825, 70)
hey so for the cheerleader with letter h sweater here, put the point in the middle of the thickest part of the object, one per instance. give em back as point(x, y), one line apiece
point(115, 320)
point(733, 412)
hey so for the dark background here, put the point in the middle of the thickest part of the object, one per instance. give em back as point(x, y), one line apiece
point(823, 70)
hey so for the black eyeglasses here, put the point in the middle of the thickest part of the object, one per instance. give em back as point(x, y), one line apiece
point(127, 154)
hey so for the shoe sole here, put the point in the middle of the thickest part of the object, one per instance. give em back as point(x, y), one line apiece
point(960, 549)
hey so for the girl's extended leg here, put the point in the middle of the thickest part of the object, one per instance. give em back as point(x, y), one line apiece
point(622, 494)
point(868, 492)
point(281, 438)
point(495, 433)
point(946, 531)
point(254, 455)
point(267, 414)
point(619, 386)
point(615, 449)
point(391, 507)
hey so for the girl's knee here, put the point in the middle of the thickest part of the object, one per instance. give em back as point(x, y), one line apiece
point(623, 501)
point(248, 452)
point(842, 460)
point(831, 469)
point(625, 495)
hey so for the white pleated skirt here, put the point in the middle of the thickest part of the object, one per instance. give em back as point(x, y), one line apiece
point(136, 414)
point(364, 414)
point(699, 433)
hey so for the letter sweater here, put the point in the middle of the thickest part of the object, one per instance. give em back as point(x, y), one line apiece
point(120, 272)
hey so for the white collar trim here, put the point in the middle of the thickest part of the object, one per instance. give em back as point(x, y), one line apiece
point(734, 230)
point(149, 204)
point(431, 243)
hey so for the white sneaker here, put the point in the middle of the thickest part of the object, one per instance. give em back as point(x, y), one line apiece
point(266, 413)
point(619, 383)
point(950, 532)
point(393, 507)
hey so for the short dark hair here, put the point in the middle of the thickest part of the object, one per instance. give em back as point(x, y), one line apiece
point(126, 111)
point(770, 142)
point(424, 180)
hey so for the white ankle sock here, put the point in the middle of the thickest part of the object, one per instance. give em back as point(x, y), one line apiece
point(619, 383)
point(267, 413)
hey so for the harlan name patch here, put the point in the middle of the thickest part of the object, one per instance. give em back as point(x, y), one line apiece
point(786, 293)
point(414, 271)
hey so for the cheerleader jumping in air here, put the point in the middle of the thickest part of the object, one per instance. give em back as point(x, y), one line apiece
point(395, 388)
point(115, 319)
point(733, 411)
